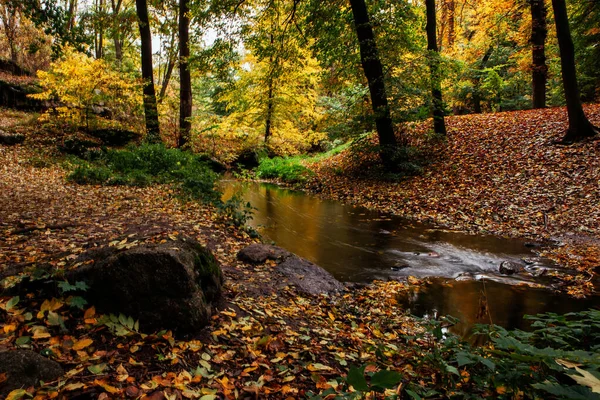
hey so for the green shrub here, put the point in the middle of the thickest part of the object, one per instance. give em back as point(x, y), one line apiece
point(90, 175)
point(288, 170)
point(155, 164)
point(558, 359)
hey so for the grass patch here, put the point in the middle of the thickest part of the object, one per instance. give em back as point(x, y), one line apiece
point(293, 169)
point(150, 164)
point(288, 169)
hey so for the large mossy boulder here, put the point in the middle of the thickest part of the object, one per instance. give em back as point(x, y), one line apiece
point(25, 368)
point(173, 285)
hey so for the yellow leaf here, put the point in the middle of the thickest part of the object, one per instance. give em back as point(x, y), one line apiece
point(51, 305)
point(104, 385)
point(82, 344)
point(40, 332)
point(16, 394)
point(73, 386)
point(90, 312)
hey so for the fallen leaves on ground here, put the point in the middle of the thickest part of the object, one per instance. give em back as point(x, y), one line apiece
point(268, 341)
point(497, 173)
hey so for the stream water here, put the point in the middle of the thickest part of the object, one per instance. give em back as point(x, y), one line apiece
point(358, 245)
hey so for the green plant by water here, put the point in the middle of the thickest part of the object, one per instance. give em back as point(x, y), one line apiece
point(149, 164)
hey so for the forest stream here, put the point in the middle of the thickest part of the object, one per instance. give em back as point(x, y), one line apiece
point(358, 245)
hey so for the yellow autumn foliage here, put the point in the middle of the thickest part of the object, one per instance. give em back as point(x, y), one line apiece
point(90, 93)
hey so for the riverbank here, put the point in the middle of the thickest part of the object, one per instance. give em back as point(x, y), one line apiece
point(498, 174)
point(266, 340)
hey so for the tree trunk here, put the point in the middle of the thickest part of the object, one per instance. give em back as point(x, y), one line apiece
point(439, 125)
point(150, 107)
point(116, 9)
point(539, 72)
point(476, 94)
point(451, 22)
point(270, 91)
point(9, 19)
point(185, 91)
point(270, 106)
point(579, 126)
point(165, 82)
point(374, 73)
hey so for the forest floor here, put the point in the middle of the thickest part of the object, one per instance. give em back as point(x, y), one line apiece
point(498, 174)
point(265, 342)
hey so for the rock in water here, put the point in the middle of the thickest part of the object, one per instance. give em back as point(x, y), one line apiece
point(510, 268)
point(258, 253)
point(25, 368)
point(308, 277)
point(167, 286)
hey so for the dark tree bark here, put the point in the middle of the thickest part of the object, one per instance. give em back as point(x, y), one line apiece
point(185, 80)
point(374, 74)
point(150, 107)
point(270, 106)
point(166, 79)
point(439, 125)
point(539, 32)
point(270, 91)
point(476, 94)
point(117, 39)
point(99, 36)
point(579, 126)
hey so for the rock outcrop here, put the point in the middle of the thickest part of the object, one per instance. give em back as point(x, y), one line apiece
point(307, 277)
point(173, 285)
point(25, 368)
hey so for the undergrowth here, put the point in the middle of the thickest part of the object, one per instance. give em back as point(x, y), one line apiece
point(293, 169)
point(149, 164)
point(558, 359)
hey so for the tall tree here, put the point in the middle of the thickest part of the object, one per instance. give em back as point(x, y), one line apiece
point(439, 125)
point(185, 80)
point(539, 70)
point(9, 14)
point(579, 126)
point(374, 73)
point(150, 107)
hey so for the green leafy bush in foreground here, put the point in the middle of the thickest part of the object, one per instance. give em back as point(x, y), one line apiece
point(558, 359)
point(155, 164)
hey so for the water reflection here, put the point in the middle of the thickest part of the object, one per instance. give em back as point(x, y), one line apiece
point(358, 245)
point(488, 302)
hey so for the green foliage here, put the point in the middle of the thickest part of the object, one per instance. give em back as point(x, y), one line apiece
point(147, 164)
point(120, 325)
point(558, 359)
point(155, 164)
point(286, 169)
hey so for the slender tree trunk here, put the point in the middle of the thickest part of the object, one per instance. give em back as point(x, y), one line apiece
point(116, 9)
point(270, 91)
point(165, 82)
point(451, 22)
point(579, 126)
point(9, 19)
point(185, 91)
point(374, 73)
point(150, 107)
point(71, 16)
point(439, 125)
point(270, 106)
point(539, 32)
point(476, 93)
